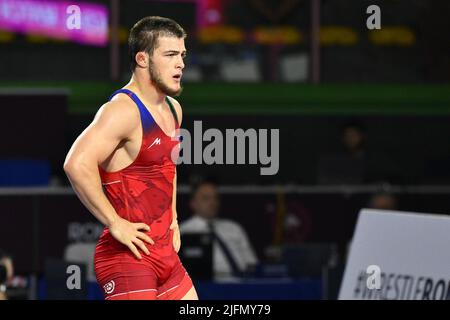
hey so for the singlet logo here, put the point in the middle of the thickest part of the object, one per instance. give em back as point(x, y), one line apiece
point(109, 287)
point(157, 141)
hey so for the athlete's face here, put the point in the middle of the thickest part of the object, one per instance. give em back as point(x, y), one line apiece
point(206, 201)
point(166, 65)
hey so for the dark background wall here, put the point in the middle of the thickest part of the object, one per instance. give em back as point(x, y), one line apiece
point(425, 60)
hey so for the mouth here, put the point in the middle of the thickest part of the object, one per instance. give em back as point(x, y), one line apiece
point(177, 77)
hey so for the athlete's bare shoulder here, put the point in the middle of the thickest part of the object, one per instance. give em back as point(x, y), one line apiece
point(120, 114)
point(120, 105)
point(116, 121)
point(178, 109)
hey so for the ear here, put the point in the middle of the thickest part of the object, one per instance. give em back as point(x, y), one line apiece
point(142, 59)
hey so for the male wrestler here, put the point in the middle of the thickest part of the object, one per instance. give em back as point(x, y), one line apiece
point(122, 170)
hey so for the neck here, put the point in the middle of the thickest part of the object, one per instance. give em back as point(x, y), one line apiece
point(141, 84)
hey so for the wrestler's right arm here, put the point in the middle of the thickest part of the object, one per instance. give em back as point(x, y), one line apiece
point(112, 126)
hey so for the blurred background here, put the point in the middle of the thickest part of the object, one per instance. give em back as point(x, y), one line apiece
point(364, 120)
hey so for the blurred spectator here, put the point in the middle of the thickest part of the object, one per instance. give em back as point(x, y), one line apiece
point(383, 201)
point(6, 273)
point(354, 163)
point(232, 251)
point(347, 165)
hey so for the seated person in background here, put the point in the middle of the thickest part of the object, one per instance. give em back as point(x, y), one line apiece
point(232, 252)
point(6, 273)
point(354, 162)
point(348, 166)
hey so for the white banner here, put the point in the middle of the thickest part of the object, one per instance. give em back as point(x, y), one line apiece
point(398, 256)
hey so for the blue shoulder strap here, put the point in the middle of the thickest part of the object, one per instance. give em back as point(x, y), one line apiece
point(146, 118)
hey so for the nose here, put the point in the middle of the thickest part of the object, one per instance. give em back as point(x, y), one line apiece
point(180, 63)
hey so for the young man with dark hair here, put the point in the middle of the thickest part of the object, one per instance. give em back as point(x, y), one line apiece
point(122, 169)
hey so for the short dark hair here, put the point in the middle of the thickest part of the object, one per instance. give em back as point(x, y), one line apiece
point(145, 33)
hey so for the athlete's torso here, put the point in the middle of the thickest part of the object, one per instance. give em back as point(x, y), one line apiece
point(142, 191)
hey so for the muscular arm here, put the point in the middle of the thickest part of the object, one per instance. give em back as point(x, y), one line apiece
point(112, 126)
point(90, 149)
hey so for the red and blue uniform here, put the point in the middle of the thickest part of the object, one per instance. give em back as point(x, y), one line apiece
point(142, 192)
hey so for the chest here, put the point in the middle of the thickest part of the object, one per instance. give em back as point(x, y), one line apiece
point(158, 147)
point(164, 119)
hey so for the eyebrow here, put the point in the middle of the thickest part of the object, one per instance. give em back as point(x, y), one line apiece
point(175, 51)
